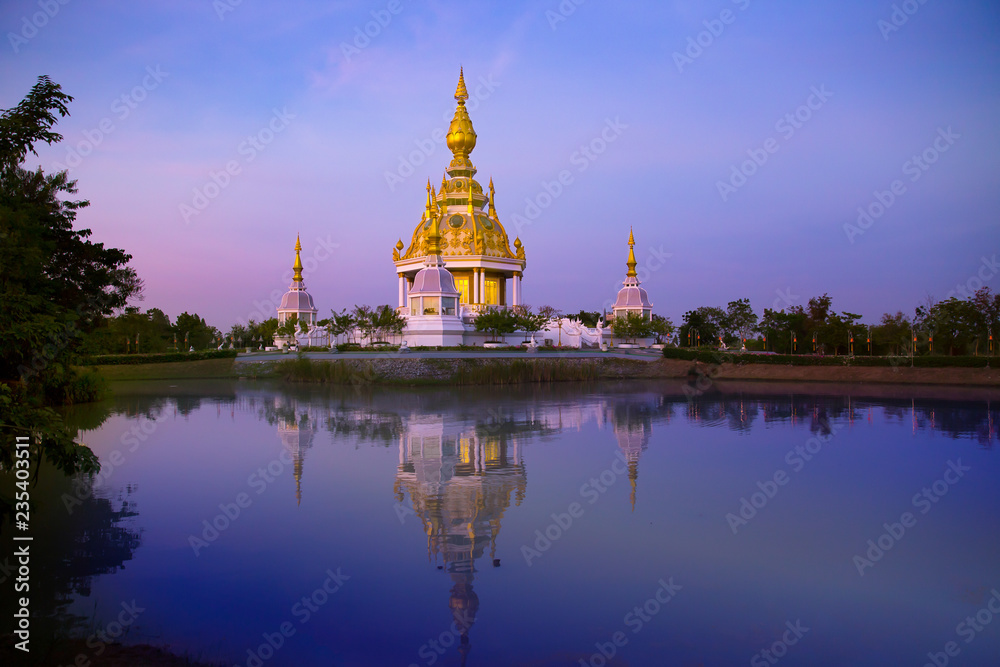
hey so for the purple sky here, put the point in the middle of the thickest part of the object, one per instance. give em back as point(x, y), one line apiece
point(166, 94)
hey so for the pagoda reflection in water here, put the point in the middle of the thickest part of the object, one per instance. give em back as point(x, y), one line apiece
point(460, 483)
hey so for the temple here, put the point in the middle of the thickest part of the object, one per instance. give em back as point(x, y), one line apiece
point(298, 304)
point(473, 243)
point(459, 263)
point(631, 297)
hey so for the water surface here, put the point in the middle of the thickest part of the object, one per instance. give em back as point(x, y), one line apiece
point(540, 525)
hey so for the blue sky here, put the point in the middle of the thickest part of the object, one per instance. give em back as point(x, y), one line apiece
point(333, 115)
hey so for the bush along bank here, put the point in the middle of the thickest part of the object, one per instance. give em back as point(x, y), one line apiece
point(722, 357)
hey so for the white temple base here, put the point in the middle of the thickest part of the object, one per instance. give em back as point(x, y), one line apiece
point(434, 330)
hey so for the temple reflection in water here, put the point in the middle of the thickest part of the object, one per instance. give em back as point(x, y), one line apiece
point(460, 482)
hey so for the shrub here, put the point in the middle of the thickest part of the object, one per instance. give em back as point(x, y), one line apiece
point(120, 359)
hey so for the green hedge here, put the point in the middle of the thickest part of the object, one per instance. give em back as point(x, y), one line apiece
point(122, 359)
point(719, 357)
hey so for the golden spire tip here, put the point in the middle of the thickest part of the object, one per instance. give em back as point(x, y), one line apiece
point(461, 92)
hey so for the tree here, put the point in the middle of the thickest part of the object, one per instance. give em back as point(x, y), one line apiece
point(288, 327)
point(741, 319)
point(892, 333)
point(263, 334)
point(363, 321)
point(194, 332)
point(497, 322)
point(338, 324)
point(704, 324)
point(549, 313)
point(952, 324)
point(586, 318)
point(661, 328)
point(630, 326)
point(528, 322)
point(386, 321)
point(781, 329)
point(55, 286)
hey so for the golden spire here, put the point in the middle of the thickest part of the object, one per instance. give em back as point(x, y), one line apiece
point(297, 266)
point(461, 138)
point(428, 211)
point(434, 237)
point(631, 256)
point(493, 209)
point(461, 93)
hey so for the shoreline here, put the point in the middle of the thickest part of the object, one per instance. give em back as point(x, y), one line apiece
point(445, 368)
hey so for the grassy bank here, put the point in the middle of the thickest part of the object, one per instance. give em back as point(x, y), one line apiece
point(205, 368)
point(466, 371)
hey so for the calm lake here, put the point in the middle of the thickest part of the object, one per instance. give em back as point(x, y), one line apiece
point(604, 524)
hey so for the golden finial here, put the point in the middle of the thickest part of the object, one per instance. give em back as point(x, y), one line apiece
point(631, 256)
point(461, 138)
point(297, 266)
point(493, 209)
point(434, 238)
point(427, 209)
point(399, 244)
point(461, 93)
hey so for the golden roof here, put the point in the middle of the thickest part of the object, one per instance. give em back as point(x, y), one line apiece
point(463, 213)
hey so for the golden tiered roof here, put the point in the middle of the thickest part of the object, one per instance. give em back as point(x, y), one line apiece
point(466, 216)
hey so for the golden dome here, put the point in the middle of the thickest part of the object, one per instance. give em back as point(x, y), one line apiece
point(466, 216)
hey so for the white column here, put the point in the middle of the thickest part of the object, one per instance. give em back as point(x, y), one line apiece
point(402, 290)
point(482, 285)
point(475, 285)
